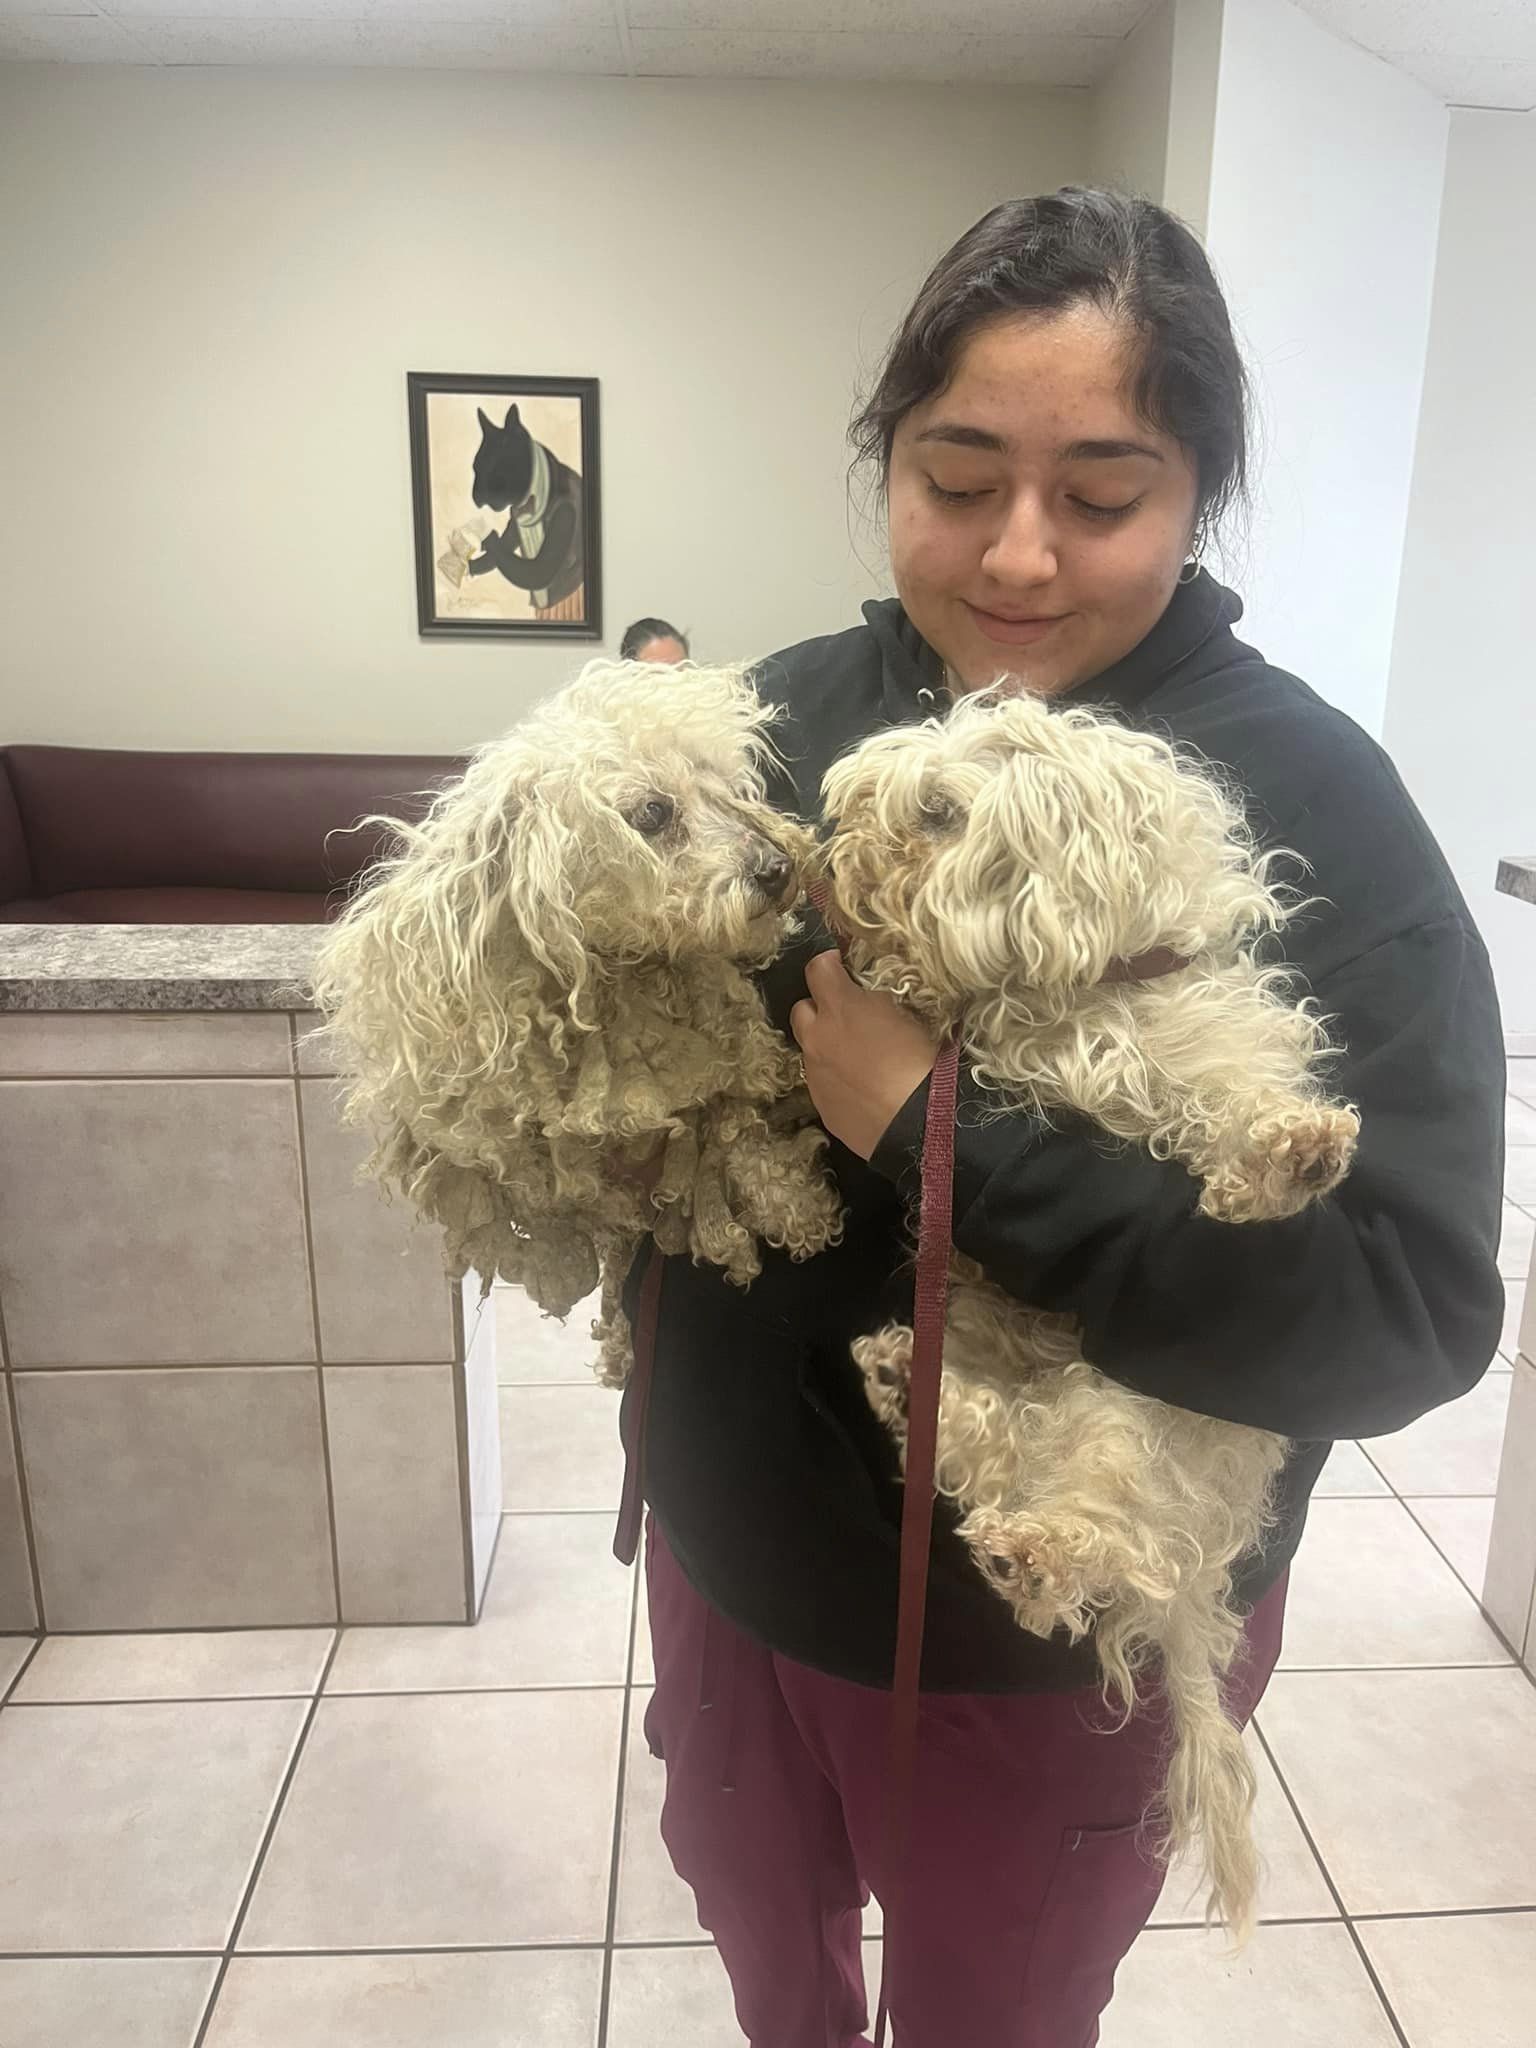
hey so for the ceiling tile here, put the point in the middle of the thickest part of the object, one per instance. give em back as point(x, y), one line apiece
point(940, 59)
point(1471, 81)
point(438, 45)
point(9, 9)
point(1468, 28)
point(1032, 18)
point(68, 39)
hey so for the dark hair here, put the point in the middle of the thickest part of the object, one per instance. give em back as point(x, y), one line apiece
point(643, 632)
point(1075, 247)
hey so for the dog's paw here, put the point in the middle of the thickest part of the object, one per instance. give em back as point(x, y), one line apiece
point(1291, 1158)
point(885, 1360)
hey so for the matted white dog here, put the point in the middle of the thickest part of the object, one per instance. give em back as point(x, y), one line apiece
point(1083, 907)
point(545, 1006)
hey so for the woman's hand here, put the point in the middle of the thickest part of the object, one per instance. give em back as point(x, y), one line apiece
point(864, 1055)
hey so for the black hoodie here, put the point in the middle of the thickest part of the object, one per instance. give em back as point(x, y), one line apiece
point(770, 1477)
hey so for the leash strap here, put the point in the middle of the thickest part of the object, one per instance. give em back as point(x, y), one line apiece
point(930, 1296)
point(626, 1535)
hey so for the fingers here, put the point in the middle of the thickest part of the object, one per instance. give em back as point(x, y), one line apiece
point(826, 977)
point(802, 1020)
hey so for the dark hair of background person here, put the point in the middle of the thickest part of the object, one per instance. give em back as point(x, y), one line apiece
point(1131, 259)
point(640, 635)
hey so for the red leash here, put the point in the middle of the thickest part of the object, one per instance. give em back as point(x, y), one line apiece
point(930, 1295)
point(930, 1298)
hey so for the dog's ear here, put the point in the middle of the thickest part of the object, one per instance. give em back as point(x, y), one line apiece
point(455, 983)
point(1135, 849)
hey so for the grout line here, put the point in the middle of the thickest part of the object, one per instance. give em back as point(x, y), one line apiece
point(238, 1923)
point(314, 1316)
point(20, 1672)
point(158, 1699)
point(1385, 1670)
point(23, 1488)
point(611, 1921)
point(1334, 1893)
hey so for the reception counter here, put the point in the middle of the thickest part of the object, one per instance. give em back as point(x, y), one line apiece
point(239, 1390)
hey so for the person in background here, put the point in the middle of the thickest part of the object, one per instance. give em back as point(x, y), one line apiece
point(653, 640)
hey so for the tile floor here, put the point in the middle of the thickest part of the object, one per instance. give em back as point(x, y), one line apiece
point(448, 1836)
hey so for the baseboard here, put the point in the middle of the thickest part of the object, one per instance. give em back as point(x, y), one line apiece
point(1520, 1045)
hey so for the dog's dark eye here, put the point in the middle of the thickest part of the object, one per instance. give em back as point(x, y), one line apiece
point(938, 813)
point(653, 815)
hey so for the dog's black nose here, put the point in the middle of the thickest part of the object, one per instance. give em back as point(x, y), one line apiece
point(770, 870)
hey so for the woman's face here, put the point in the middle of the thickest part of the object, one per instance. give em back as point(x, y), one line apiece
point(1038, 525)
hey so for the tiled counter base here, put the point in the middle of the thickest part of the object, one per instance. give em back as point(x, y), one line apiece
point(239, 1390)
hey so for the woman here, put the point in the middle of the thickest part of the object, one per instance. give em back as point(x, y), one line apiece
point(1058, 428)
point(653, 640)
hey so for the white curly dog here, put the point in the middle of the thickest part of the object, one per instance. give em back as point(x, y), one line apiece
point(545, 1007)
point(1083, 908)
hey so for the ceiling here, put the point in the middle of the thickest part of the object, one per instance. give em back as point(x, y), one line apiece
point(1471, 52)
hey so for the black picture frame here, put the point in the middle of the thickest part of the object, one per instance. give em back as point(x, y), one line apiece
point(464, 594)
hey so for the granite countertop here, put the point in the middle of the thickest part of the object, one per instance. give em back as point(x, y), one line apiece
point(156, 966)
point(1517, 877)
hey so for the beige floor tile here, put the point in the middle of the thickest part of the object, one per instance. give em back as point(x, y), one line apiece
point(534, 1350)
point(560, 1449)
point(536, 2000)
point(1293, 1887)
point(670, 1998)
point(1461, 1529)
point(1520, 1120)
point(179, 1197)
point(1349, 1474)
point(180, 1499)
point(1418, 1786)
point(1454, 1449)
point(1514, 1309)
point(225, 1664)
point(1515, 1242)
point(653, 1903)
point(1369, 1588)
point(469, 1818)
point(1459, 1983)
point(13, 1654)
point(556, 1612)
point(1292, 1987)
point(101, 2002)
point(1520, 1175)
point(134, 1827)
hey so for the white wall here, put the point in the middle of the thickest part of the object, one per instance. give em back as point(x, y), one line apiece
point(1194, 77)
point(1128, 130)
point(213, 284)
point(1461, 713)
point(1325, 186)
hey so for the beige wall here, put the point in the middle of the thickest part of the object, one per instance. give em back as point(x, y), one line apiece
point(1459, 711)
point(213, 284)
point(1129, 116)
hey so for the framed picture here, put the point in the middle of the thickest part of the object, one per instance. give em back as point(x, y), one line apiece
point(504, 486)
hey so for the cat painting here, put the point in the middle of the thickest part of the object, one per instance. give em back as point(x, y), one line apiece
point(504, 476)
point(539, 549)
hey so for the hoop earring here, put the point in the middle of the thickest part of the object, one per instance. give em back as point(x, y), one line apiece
point(1189, 572)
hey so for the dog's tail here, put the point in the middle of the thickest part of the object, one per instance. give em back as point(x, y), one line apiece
point(1207, 1804)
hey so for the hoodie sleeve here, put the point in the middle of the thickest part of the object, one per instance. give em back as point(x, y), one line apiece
point(1371, 1307)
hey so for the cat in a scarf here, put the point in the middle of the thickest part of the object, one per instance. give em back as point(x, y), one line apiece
point(540, 548)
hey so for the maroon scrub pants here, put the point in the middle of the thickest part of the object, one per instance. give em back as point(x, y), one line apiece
point(1027, 1877)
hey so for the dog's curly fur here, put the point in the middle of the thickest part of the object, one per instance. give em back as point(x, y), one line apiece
point(543, 1000)
point(1003, 871)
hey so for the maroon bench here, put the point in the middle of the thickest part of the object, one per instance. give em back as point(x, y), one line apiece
point(93, 835)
